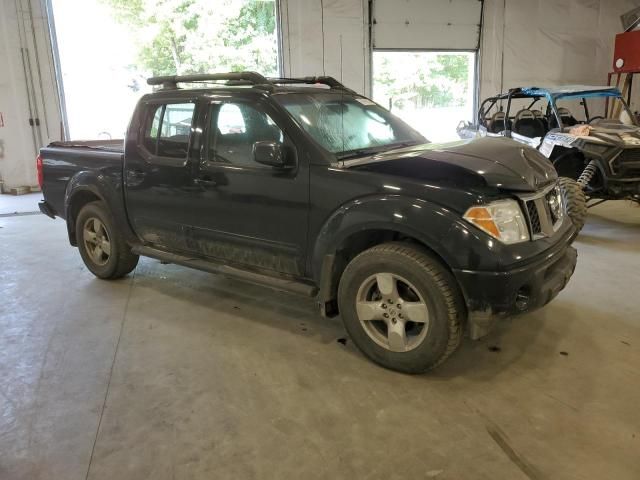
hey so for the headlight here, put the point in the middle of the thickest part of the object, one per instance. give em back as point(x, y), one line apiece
point(502, 220)
point(556, 205)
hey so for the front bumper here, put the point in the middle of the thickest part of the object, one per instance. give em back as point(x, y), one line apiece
point(491, 295)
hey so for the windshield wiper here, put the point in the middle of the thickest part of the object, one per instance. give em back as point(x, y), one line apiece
point(373, 150)
point(356, 153)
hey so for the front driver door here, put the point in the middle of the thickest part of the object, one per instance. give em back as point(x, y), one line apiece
point(249, 213)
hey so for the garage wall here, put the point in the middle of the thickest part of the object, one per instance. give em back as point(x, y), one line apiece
point(548, 42)
point(326, 37)
point(545, 42)
point(27, 90)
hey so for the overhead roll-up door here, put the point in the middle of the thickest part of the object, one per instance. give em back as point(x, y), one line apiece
point(426, 24)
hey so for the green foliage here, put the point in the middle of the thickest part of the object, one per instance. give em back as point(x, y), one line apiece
point(255, 19)
point(199, 36)
point(453, 67)
point(424, 80)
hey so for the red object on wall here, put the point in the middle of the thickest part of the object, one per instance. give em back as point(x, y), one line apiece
point(626, 56)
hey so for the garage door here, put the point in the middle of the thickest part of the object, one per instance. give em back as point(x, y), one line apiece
point(426, 24)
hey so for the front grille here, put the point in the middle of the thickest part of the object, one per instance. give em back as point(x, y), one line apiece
point(543, 219)
point(534, 218)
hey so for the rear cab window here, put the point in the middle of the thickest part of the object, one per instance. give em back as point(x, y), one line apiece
point(167, 129)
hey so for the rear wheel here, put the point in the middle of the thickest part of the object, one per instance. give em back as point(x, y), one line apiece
point(575, 200)
point(102, 248)
point(401, 307)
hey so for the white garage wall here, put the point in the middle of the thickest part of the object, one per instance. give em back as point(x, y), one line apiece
point(326, 37)
point(545, 42)
point(24, 45)
point(548, 42)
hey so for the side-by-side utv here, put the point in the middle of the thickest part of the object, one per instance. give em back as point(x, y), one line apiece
point(589, 134)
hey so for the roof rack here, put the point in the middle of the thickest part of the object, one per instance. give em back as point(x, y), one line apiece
point(242, 78)
point(324, 80)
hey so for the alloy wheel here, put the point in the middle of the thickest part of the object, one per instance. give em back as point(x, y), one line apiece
point(392, 312)
point(96, 241)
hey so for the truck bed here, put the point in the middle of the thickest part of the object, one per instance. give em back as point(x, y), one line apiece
point(116, 145)
point(69, 162)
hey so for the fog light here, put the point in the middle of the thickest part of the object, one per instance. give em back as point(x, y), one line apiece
point(522, 300)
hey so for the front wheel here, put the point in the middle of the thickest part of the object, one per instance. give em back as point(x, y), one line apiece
point(102, 248)
point(575, 200)
point(401, 307)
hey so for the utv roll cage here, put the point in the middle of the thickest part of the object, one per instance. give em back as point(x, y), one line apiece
point(551, 95)
point(243, 79)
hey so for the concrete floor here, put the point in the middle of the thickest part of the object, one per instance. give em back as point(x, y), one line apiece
point(174, 373)
point(10, 204)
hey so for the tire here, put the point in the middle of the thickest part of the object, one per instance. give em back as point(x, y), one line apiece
point(418, 278)
point(575, 200)
point(114, 258)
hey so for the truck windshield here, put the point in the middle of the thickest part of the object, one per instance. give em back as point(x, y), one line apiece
point(348, 125)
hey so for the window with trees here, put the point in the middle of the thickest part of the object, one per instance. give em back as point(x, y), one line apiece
point(431, 91)
point(113, 46)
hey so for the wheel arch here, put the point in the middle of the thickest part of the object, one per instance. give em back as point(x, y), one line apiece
point(351, 231)
point(336, 262)
point(76, 201)
point(86, 187)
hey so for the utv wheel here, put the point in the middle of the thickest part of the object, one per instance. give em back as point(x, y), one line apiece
point(575, 200)
point(401, 308)
point(102, 248)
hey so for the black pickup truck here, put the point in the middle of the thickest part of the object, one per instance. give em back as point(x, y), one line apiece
point(306, 186)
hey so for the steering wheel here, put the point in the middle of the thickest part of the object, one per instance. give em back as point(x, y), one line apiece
point(597, 117)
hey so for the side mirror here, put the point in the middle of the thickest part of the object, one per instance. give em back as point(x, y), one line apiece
point(271, 153)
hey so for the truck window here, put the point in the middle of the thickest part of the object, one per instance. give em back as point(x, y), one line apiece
point(235, 129)
point(230, 119)
point(168, 129)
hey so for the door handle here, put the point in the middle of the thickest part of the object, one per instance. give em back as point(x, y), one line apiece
point(135, 177)
point(205, 181)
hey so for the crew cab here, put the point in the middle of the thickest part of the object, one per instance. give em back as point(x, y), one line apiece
point(306, 186)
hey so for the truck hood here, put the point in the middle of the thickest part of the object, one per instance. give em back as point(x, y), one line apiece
point(495, 162)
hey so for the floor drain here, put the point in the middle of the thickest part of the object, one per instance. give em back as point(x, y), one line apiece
point(564, 353)
point(494, 348)
point(343, 341)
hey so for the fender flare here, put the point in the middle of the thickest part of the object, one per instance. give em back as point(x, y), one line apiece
point(444, 233)
point(103, 188)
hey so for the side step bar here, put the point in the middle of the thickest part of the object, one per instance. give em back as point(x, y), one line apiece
point(279, 283)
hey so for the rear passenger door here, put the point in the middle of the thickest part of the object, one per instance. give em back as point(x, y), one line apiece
point(158, 173)
point(246, 212)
